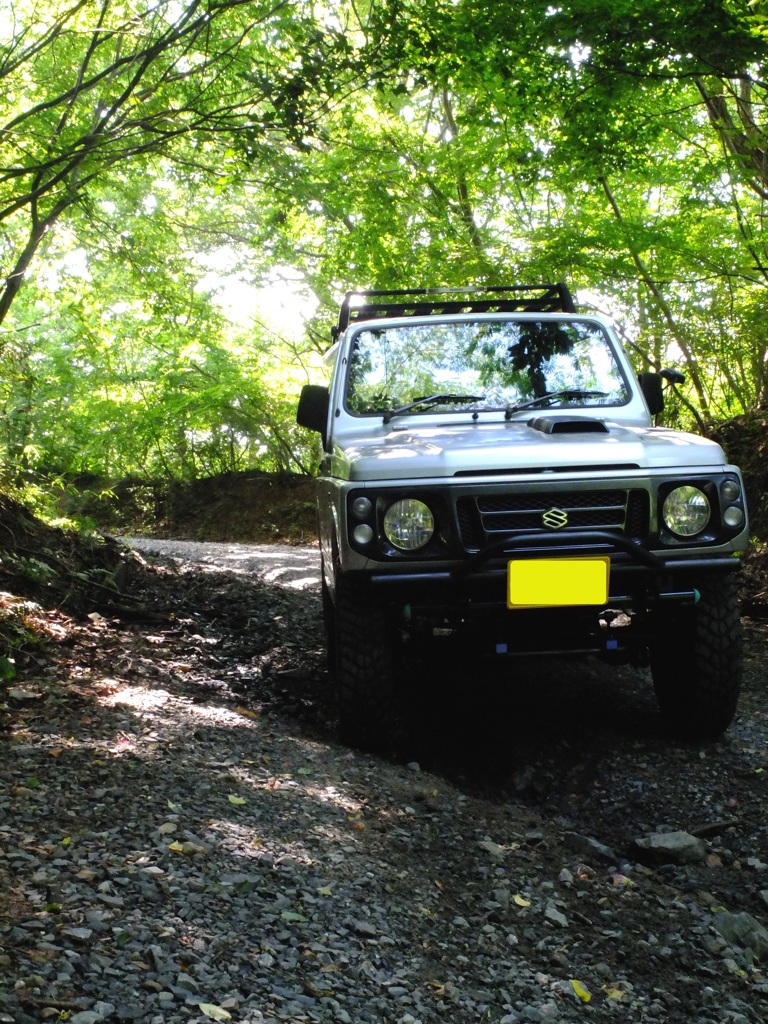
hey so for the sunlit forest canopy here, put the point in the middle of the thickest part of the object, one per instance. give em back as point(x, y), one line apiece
point(188, 187)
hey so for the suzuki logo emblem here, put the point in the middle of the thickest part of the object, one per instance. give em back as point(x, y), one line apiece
point(555, 518)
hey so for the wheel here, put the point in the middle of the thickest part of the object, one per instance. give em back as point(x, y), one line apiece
point(696, 662)
point(365, 642)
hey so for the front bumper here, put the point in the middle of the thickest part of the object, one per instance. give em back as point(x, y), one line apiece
point(627, 557)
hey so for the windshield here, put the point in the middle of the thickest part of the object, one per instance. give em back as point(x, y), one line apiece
point(484, 364)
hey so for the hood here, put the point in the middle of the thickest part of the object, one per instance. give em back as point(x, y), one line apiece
point(445, 450)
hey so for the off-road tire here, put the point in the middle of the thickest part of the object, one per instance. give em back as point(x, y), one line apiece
point(365, 664)
point(696, 662)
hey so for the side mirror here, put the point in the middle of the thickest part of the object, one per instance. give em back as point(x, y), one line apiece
point(312, 411)
point(651, 384)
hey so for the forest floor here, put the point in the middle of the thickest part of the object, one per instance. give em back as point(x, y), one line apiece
point(182, 838)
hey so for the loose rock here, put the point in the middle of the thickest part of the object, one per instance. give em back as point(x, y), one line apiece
point(678, 847)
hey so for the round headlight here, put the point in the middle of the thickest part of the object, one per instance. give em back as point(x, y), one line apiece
point(409, 524)
point(686, 511)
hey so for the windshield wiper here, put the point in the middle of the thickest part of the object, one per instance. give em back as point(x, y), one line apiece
point(430, 400)
point(565, 393)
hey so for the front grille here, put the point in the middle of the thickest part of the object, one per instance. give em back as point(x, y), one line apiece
point(490, 517)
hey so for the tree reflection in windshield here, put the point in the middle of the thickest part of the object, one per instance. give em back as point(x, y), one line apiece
point(507, 361)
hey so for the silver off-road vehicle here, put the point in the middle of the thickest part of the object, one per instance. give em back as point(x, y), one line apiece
point(491, 469)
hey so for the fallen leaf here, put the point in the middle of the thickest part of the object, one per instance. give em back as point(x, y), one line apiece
point(188, 848)
point(292, 916)
point(521, 901)
point(236, 799)
point(215, 1012)
point(325, 890)
point(304, 771)
point(613, 992)
point(583, 993)
point(247, 712)
point(19, 694)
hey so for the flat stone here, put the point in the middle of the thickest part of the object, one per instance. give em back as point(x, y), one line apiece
point(80, 934)
point(677, 847)
point(556, 917)
point(497, 852)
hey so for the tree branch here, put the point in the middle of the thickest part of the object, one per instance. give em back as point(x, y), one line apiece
point(660, 300)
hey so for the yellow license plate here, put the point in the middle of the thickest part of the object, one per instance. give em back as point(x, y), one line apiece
point(557, 582)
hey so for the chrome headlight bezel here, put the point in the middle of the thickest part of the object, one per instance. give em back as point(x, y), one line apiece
point(409, 524)
point(686, 511)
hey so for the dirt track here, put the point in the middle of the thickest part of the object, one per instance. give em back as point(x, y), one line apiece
point(489, 870)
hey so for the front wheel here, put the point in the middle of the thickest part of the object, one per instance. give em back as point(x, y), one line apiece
point(696, 662)
point(366, 645)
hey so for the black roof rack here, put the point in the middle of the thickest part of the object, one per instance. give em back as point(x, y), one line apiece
point(527, 298)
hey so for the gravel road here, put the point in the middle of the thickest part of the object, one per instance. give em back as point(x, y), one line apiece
point(288, 565)
point(182, 839)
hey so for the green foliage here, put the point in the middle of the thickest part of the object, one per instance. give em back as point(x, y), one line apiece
point(407, 143)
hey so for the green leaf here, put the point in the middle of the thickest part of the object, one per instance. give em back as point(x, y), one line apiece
point(292, 916)
point(581, 991)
